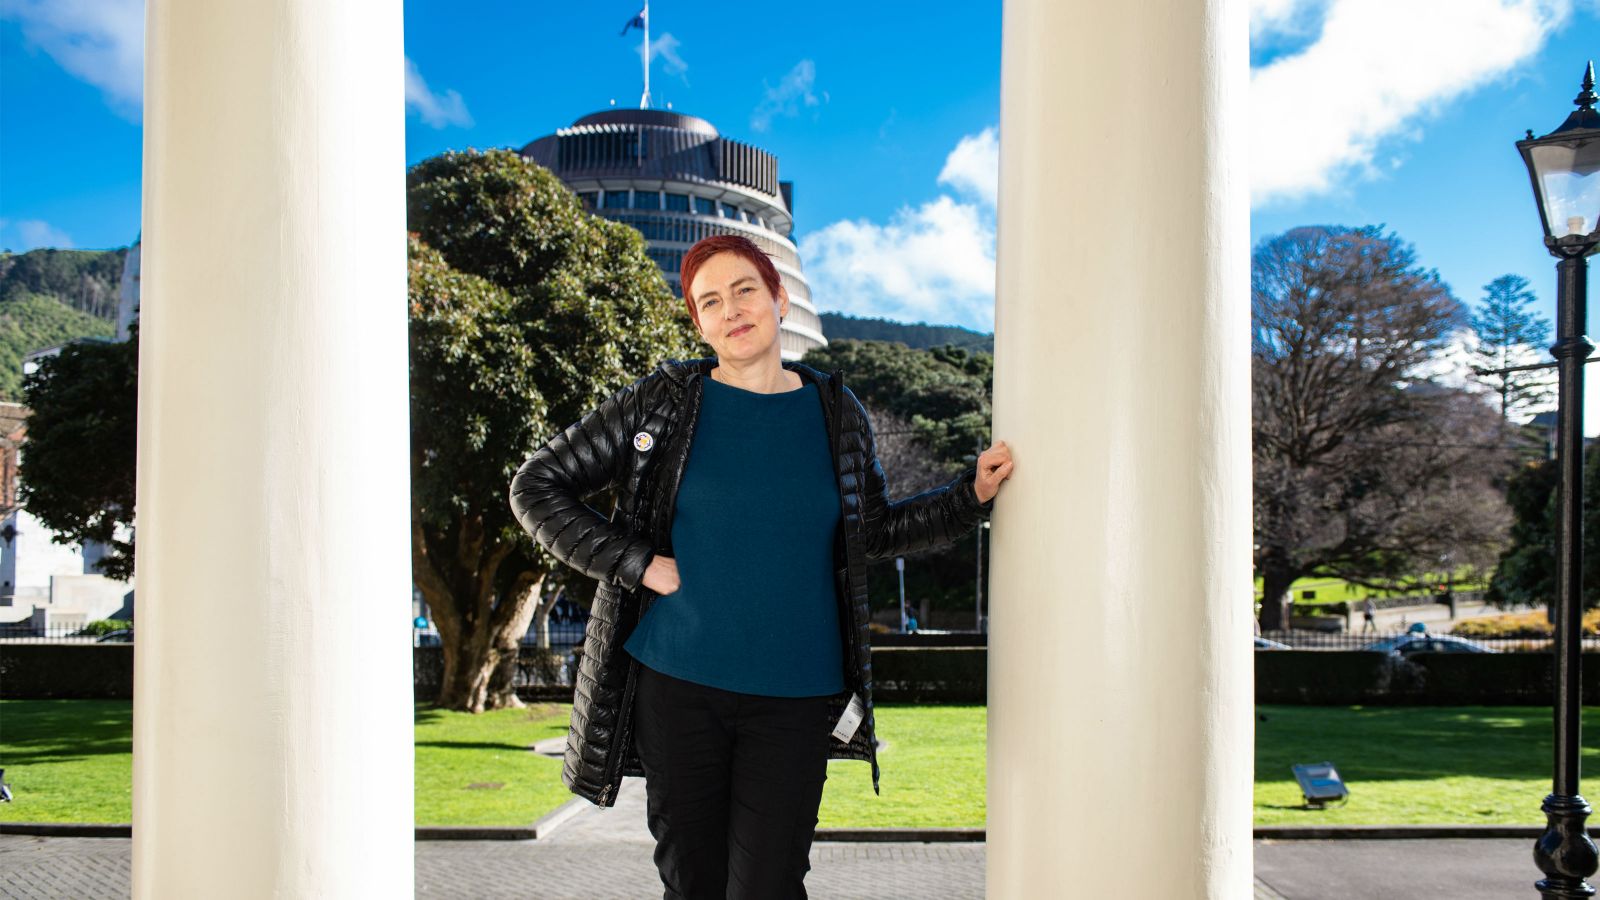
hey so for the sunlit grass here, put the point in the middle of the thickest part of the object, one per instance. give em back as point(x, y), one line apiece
point(71, 761)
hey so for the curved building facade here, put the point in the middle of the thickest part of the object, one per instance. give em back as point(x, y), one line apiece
point(676, 180)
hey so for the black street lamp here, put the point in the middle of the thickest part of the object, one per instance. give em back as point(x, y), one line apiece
point(1565, 168)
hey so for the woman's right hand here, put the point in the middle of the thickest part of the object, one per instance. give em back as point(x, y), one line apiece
point(661, 575)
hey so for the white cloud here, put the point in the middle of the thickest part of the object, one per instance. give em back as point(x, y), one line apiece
point(33, 233)
point(1284, 17)
point(1376, 71)
point(973, 167)
point(1452, 365)
point(792, 93)
point(100, 42)
point(437, 110)
point(931, 264)
point(665, 48)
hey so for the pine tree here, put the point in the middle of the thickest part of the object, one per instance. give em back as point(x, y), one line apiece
point(1510, 334)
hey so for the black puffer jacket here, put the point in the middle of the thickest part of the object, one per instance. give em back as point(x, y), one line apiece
point(638, 439)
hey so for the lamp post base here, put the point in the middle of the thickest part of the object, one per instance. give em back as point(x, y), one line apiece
point(1564, 852)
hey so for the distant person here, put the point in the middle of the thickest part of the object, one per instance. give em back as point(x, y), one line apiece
point(1369, 616)
point(911, 621)
point(738, 682)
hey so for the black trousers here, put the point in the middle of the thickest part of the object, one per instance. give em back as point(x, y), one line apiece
point(733, 782)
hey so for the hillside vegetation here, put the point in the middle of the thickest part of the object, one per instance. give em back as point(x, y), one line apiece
point(49, 297)
point(918, 336)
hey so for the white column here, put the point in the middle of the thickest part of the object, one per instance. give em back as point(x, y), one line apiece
point(1120, 692)
point(272, 686)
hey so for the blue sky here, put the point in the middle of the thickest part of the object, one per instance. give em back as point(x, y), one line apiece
point(1400, 112)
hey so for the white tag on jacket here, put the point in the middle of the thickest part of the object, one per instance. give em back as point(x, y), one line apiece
point(851, 720)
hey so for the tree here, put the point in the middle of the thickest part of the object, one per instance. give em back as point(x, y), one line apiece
point(908, 466)
point(929, 409)
point(77, 474)
point(1526, 574)
point(1509, 334)
point(526, 312)
point(1362, 471)
point(943, 393)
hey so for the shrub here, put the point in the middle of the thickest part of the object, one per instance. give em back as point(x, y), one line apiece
point(105, 626)
point(1520, 625)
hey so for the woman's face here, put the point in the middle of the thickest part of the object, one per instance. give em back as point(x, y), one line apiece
point(738, 315)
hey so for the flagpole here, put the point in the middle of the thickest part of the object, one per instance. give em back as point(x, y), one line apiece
point(644, 102)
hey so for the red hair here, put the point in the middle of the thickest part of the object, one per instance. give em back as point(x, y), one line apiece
point(705, 248)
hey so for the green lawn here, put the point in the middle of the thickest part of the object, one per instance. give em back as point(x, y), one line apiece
point(71, 761)
point(1413, 765)
point(931, 772)
point(458, 750)
point(67, 760)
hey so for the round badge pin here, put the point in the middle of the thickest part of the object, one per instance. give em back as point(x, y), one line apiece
point(643, 441)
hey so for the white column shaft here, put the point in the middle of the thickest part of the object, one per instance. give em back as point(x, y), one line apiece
point(273, 702)
point(1120, 692)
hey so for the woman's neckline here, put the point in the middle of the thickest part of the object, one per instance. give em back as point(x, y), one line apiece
point(741, 390)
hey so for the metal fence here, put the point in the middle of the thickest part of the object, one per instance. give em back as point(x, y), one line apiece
point(1307, 639)
point(564, 635)
point(57, 632)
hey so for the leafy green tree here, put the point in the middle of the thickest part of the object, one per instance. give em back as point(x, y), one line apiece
point(1526, 574)
point(1510, 334)
point(77, 472)
point(930, 413)
point(526, 312)
point(943, 393)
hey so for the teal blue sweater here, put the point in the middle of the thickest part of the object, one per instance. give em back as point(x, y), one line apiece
point(752, 534)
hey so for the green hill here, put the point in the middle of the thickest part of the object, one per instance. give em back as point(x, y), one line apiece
point(919, 336)
point(49, 297)
point(85, 280)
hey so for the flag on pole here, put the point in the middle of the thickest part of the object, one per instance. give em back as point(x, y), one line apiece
point(635, 22)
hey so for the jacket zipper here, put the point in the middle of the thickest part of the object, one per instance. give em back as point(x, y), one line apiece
point(849, 602)
point(836, 391)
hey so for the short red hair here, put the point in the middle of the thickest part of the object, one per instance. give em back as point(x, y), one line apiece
point(705, 248)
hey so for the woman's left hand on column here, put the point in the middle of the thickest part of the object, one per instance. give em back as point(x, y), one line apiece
point(994, 466)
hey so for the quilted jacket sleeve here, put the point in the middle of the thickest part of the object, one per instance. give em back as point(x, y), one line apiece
point(548, 489)
point(937, 516)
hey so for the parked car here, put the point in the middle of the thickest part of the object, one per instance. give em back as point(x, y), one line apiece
point(1421, 642)
point(1264, 644)
point(120, 636)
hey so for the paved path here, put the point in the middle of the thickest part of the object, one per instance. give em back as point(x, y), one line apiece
point(1436, 616)
point(1457, 868)
point(605, 854)
point(600, 854)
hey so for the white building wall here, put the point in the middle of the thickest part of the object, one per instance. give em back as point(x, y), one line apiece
point(27, 563)
point(36, 573)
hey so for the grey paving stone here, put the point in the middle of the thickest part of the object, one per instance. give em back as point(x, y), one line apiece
point(602, 854)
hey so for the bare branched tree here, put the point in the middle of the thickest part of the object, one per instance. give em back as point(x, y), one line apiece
point(909, 466)
point(1363, 471)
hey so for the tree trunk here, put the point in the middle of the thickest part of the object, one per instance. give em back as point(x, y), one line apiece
point(541, 617)
point(1275, 600)
point(480, 657)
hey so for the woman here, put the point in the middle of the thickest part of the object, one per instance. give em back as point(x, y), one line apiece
point(732, 578)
